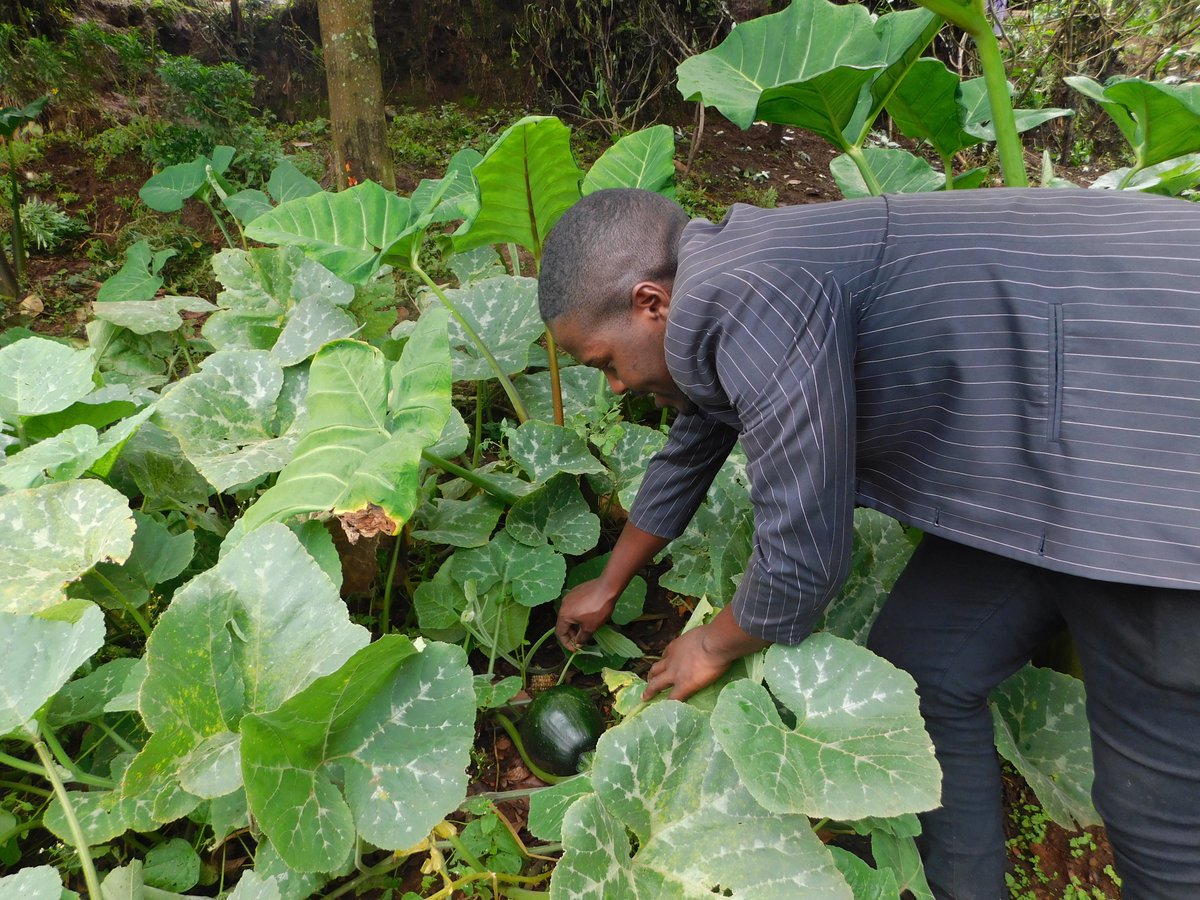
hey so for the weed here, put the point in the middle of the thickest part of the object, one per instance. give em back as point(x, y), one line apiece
point(47, 227)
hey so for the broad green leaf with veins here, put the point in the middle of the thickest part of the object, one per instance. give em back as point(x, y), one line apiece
point(241, 637)
point(276, 299)
point(38, 653)
point(786, 68)
point(629, 456)
point(662, 777)
point(53, 534)
point(460, 523)
point(1040, 721)
point(228, 419)
point(40, 376)
point(149, 316)
point(103, 690)
point(368, 422)
point(527, 180)
point(346, 232)
point(558, 514)
point(644, 159)
point(504, 313)
point(859, 747)
point(1160, 121)
point(881, 551)
point(898, 172)
point(380, 746)
point(34, 883)
point(543, 450)
point(531, 575)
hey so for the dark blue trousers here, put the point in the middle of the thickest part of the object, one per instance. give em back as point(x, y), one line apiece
point(962, 620)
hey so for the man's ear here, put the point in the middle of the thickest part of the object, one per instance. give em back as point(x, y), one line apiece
point(652, 298)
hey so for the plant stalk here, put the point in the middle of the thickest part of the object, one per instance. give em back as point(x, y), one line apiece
point(124, 601)
point(1008, 139)
point(18, 236)
point(385, 615)
point(480, 481)
point(502, 376)
point(515, 737)
point(67, 763)
point(555, 383)
point(81, 847)
point(860, 160)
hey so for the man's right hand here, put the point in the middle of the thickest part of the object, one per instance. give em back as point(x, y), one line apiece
point(584, 609)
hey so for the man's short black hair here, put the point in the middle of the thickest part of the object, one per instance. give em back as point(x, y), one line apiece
point(604, 245)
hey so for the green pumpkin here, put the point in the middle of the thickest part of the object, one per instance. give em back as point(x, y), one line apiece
point(560, 726)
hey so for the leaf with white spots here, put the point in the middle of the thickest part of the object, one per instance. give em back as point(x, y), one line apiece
point(530, 575)
point(380, 746)
point(558, 514)
point(149, 316)
point(881, 551)
point(278, 300)
point(858, 747)
point(158, 556)
point(213, 768)
point(227, 417)
point(242, 637)
point(460, 523)
point(548, 806)
point(585, 394)
point(368, 421)
point(53, 534)
point(34, 883)
point(503, 312)
point(38, 653)
point(628, 452)
point(1040, 721)
point(662, 777)
point(543, 450)
point(252, 886)
point(710, 556)
point(39, 376)
point(105, 689)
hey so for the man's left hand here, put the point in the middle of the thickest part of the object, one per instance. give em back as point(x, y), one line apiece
point(696, 659)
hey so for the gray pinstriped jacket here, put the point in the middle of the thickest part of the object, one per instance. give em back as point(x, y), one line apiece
point(1017, 370)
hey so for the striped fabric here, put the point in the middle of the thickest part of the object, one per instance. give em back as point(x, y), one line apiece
point(1016, 370)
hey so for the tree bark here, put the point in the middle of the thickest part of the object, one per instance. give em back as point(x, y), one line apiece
point(355, 86)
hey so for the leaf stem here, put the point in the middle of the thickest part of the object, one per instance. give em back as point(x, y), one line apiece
point(124, 601)
point(515, 737)
point(501, 375)
point(480, 481)
point(392, 862)
point(24, 788)
point(860, 160)
point(385, 615)
point(81, 847)
point(1008, 139)
point(69, 764)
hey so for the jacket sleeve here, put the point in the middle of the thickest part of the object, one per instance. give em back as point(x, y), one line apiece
point(784, 359)
point(680, 474)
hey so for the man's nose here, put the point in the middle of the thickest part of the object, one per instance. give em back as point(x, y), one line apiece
point(617, 385)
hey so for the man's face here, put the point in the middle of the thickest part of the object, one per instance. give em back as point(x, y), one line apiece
point(627, 349)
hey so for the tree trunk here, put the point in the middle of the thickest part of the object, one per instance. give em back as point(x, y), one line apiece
point(360, 150)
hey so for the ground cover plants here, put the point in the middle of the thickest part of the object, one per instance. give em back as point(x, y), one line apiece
point(189, 705)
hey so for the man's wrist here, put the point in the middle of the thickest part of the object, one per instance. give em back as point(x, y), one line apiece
point(724, 639)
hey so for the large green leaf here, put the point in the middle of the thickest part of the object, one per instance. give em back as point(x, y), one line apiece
point(644, 159)
point(289, 183)
point(233, 418)
point(530, 575)
point(34, 883)
point(39, 376)
point(138, 278)
point(927, 105)
point(696, 831)
point(278, 300)
point(859, 747)
point(527, 180)
point(111, 687)
point(346, 232)
point(367, 424)
point(815, 65)
point(38, 653)
point(167, 190)
point(455, 195)
point(897, 171)
point(543, 450)
point(558, 514)
point(158, 556)
point(503, 311)
point(460, 523)
point(380, 746)
point(149, 316)
point(242, 637)
point(1160, 121)
point(628, 450)
point(51, 535)
point(1041, 728)
point(881, 551)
